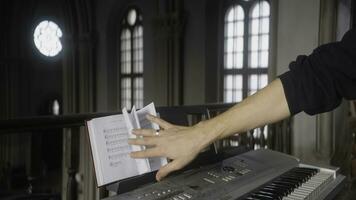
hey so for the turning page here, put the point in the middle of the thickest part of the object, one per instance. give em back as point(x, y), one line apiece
point(111, 151)
point(143, 122)
point(143, 165)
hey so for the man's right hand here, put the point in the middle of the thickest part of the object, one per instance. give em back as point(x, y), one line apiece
point(178, 143)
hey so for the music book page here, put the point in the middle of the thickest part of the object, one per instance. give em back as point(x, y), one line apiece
point(155, 163)
point(108, 138)
point(143, 165)
point(110, 149)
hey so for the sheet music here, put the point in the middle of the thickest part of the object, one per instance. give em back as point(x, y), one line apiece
point(109, 142)
point(143, 121)
point(155, 163)
point(143, 166)
point(111, 136)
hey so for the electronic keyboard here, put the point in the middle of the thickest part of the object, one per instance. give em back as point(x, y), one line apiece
point(255, 175)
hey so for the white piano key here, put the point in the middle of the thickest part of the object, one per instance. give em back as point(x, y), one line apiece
point(311, 188)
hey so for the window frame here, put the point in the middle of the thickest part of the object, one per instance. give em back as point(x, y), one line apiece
point(132, 75)
point(245, 71)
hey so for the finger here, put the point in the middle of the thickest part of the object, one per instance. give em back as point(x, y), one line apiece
point(144, 132)
point(159, 121)
point(168, 168)
point(142, 141)
point(152, 152)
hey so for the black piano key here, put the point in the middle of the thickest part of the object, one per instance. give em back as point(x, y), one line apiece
point(261, 196)
point(301, 178)
point(302, 174)
point(292, 181)
point(301, 170)
point(285, 184)
point(276, 191)
point(307, 174)
point(289, 189)
point(272, 191)
point(251, 198)
point(269, 194)
point(308, 169)
point(294, 170)
point(295, 178)
point(280, 182)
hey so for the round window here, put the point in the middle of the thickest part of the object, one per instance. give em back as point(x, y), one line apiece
point(47, 38)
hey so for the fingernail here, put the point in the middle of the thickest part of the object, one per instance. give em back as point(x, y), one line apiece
point(158, 178)
point(149, 116)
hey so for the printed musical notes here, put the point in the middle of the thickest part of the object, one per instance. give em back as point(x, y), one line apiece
point(116, 143)
point(109, 143)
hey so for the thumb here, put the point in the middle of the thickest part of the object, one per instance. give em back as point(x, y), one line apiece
point(168, 168)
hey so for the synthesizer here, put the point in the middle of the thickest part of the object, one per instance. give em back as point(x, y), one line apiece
point(260, 174)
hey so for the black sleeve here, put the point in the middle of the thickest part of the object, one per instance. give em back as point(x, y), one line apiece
point(318, 82)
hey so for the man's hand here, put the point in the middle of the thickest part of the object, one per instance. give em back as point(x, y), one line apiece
point(182, 144)
point(179, 143)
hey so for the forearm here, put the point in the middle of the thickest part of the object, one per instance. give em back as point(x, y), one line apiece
point(266, 106)
point(182, 145)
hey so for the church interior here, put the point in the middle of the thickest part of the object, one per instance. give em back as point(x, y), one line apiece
point(64, 62)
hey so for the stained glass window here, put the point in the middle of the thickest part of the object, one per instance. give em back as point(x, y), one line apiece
point(131, 60)
point(246, 49)
point(46, 37)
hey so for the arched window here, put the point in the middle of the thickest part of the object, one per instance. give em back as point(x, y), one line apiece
point(131, 59)
point(246, 49)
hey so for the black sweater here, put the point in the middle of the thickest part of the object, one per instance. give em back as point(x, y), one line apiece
point(318, 82)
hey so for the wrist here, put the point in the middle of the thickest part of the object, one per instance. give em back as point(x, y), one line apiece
point(208, 132)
